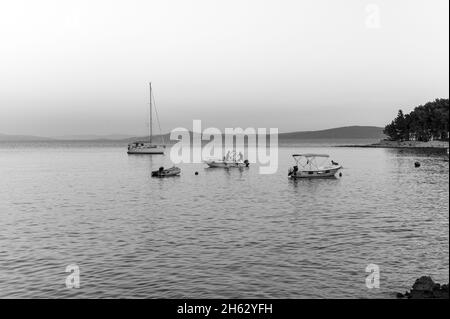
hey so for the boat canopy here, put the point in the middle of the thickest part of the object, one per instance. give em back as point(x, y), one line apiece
point(310, 155)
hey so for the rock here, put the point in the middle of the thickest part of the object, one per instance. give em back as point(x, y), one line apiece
point(441, 292)
point(424, 283)
point(426, 288)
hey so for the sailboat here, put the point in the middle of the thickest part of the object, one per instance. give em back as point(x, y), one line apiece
point(144, 147)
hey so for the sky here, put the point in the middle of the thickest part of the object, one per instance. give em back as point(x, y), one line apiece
point(83, 67)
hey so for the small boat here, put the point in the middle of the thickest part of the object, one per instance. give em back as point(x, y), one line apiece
point(309, 166)
point(161, 172)
point(228, 161)
point(217, 163)
point(147, 147)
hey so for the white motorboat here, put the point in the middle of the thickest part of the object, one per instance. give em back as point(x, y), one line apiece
point(230, 160)
point(225, 164)
point(147, 147)
point(313, 166)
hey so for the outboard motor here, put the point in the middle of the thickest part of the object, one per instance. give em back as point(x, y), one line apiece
point(159, 172)
point(247, 163)
point(293, 171)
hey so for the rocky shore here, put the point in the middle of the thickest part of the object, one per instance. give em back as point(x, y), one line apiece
point(405, 144)
point(426, 288)
point(412, 144)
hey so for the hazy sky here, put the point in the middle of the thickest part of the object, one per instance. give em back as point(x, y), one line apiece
point(83, 67)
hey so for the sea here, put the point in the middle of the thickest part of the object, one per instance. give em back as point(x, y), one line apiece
point(87, 209)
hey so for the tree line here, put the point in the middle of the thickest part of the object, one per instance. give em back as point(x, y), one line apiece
point(426, 122)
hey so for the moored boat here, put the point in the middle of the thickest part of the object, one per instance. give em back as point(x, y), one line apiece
point(147, 147)
point(230, 160)
point(225, 164)
point(161, 172)
point(309, 166)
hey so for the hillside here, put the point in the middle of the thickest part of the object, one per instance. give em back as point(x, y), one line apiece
point(340, 133)
point(348, 132)
point(22, 138)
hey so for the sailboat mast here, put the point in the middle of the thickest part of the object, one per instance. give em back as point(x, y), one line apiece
point(151, 118)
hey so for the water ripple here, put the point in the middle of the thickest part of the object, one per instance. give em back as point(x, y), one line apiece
point(227, 234)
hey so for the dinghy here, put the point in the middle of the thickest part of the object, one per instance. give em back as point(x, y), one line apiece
point(161, 172)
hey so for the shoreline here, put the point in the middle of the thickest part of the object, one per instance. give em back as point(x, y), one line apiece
point(431, 145)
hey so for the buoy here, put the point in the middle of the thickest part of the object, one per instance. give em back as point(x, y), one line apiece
point(417, 164)
point(196, 173)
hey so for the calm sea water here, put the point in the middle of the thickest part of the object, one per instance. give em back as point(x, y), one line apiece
point(224, 233)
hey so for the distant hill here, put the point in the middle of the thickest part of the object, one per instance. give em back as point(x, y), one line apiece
point(112, 137)
point(340, 133)
point(348, 132)
point(22, 138)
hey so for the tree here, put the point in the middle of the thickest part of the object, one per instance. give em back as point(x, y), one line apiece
point(425, 122)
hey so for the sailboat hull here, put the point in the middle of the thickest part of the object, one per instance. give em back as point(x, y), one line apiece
point(142, 150)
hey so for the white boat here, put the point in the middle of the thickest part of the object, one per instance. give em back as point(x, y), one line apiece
point(147, 147)
point(225, 164)
point(313, 166)
point(161, 172)
point(228, 161)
